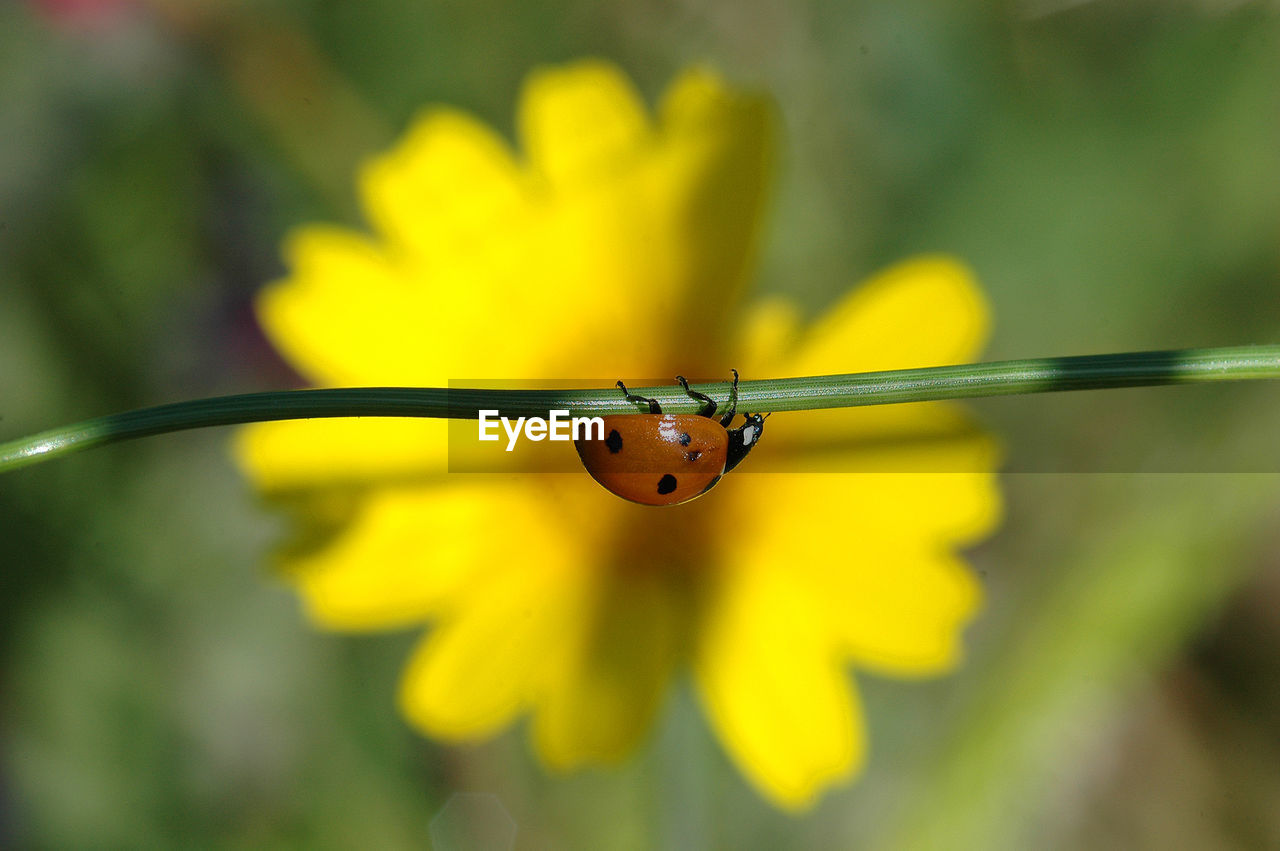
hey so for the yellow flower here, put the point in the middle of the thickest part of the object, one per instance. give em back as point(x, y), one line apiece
point(616, 244)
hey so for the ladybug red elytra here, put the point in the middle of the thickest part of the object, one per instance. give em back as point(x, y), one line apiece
point(667, 459)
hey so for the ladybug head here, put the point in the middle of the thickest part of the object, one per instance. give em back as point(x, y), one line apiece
point(742, 439)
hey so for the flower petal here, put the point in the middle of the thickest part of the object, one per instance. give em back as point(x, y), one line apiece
point(928, 437)
point(410, 325)
point(472, 676)
point(581, 122)
point(772, 685)
point(666, 217)
point(414, 552)
point(769, 330)
point(944, 510)
point(665, 228)
point(886, 589)
point(331, 337)
point(444, 187)
point(601, 697)
point(900, 611)
point(926, 311)
point(716, 166)
point(325, 453)
point(588, 650)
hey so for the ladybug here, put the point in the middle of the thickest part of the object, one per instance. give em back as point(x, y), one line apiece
point(667, 459)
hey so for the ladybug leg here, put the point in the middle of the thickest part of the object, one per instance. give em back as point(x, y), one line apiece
point(653, 403)
point(733, 402)
point(708, 403)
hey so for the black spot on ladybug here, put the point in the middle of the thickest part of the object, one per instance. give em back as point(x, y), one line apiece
point(614, 441)
point(666, 484)
point(685, 438)
point(693, 456)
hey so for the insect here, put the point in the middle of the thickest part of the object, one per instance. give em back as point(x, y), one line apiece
point(667, 459)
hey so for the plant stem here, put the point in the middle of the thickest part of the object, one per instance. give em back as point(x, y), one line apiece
point(1003, 378)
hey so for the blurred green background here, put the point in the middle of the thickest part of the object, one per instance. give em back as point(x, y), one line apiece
point(1112, 172)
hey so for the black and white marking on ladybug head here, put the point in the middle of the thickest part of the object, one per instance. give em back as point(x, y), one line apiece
point(742, 439)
